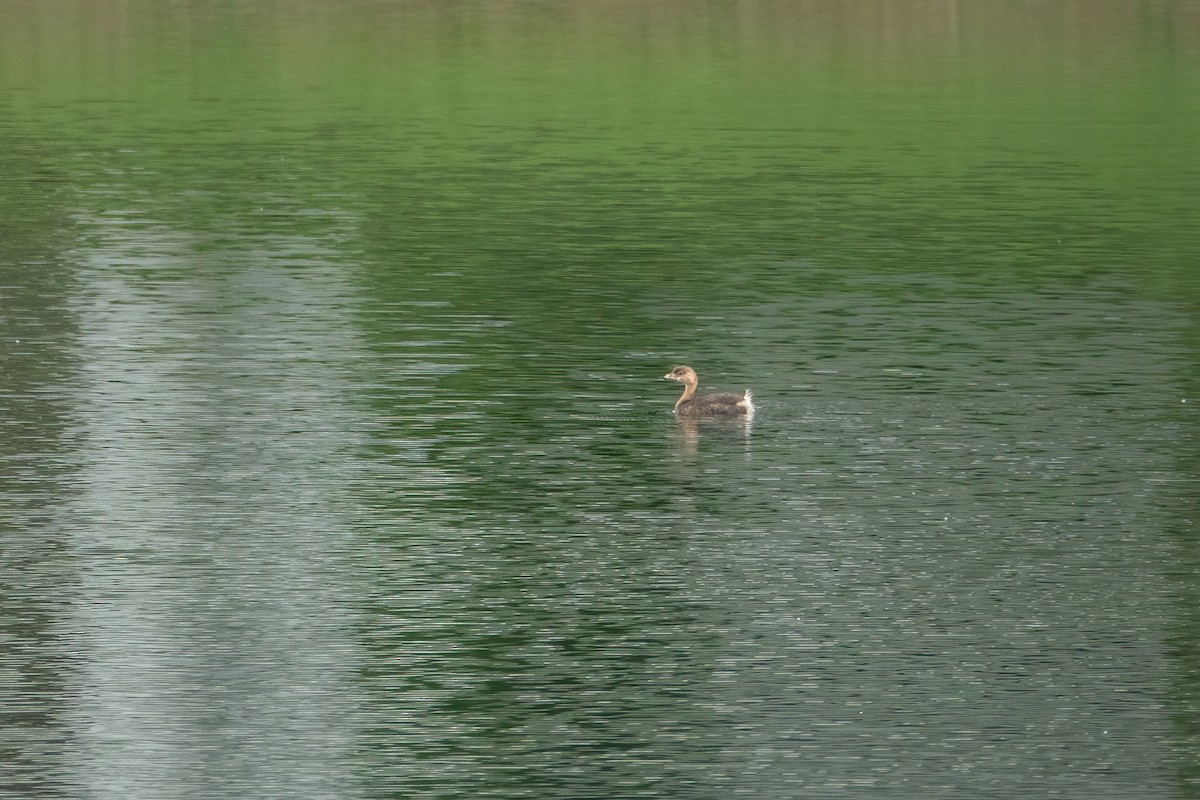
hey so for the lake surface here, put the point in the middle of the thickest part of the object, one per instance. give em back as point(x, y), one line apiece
point(336, 460)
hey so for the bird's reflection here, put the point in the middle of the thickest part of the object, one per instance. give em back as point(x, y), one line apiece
point(689, 431)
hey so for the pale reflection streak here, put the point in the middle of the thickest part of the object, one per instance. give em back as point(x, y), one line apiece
point(209, 628)
point(688, 432)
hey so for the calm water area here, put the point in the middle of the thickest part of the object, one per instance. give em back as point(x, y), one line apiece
point(336, 459)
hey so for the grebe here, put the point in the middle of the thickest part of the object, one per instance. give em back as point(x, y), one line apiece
point(723, 404)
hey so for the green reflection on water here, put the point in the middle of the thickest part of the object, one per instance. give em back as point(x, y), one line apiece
point(946, 137)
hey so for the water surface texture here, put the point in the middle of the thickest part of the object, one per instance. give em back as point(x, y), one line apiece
point(336, 462)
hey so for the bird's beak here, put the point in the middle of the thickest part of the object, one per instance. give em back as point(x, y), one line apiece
point(667, 377)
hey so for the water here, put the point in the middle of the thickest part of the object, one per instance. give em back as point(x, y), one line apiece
point(336, 461)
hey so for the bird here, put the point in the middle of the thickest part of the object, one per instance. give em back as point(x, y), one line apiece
point(721, 404)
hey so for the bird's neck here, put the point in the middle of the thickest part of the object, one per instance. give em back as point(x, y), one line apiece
point(689, 389)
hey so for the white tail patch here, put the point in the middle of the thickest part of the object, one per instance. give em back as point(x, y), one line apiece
point(747, 403)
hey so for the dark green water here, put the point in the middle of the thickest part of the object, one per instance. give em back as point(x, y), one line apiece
point(335, 459)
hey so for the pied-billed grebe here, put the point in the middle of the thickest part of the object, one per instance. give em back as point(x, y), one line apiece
point(722, 404)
